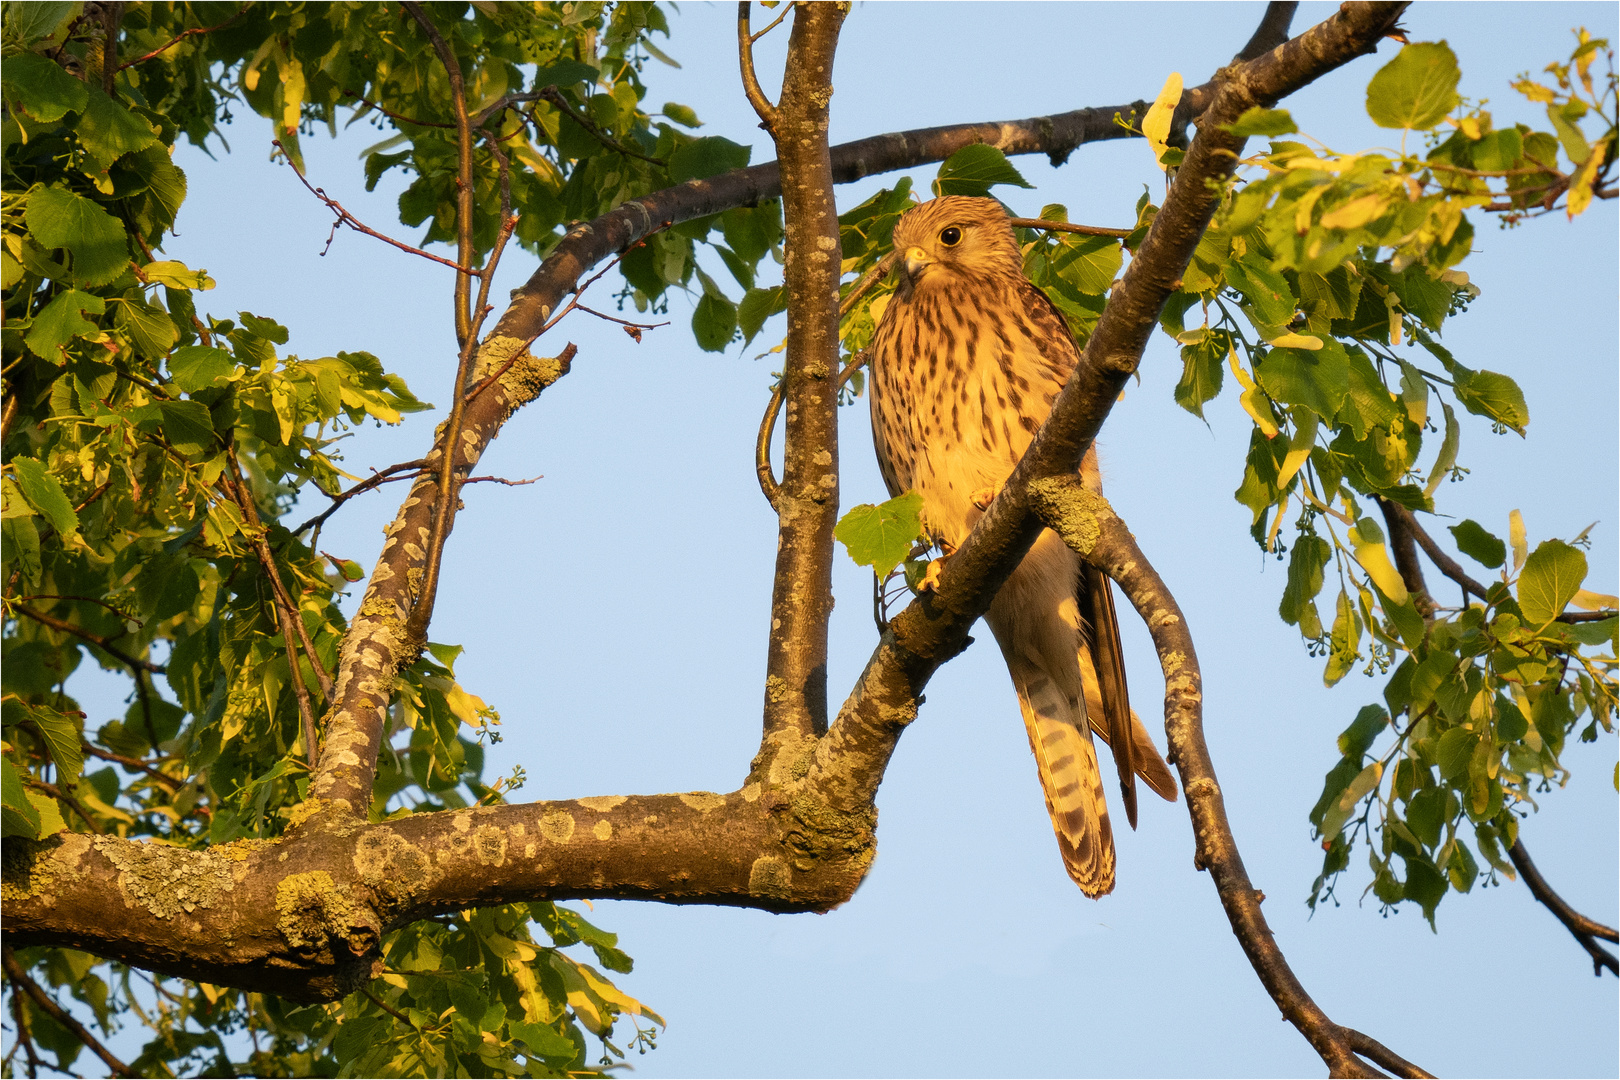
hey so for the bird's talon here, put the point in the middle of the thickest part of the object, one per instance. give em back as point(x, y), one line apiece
point(984, 497)
point(930, 579)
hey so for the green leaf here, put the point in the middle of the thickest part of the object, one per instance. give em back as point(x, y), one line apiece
point(1485, 393)
point(542, 1039)
point(1426, 815)
point(1597, 633)
point(706, 157)
point(1203, 367)
point(1415, 90)
point(1479, 545)
point(882, 535)
point(194, 367)
point(44, 493)
point(1456, 746)
point(108, 131)
point(757, 306)
point(1565, 120)
point(1318, 380)
point(61, 321)
point(1551, 577)
point(1344, 644)
point(1462, 869)
point(1089, 263)
point(177, 275)
point(683, 115)
point(1447, 457)
point(41, 88)
point(151, 330)
point(1425, 885)
point(1259, 121)
point(1498, 151)
point(62, 738)
point(1270, 301)
point(18, 817)
point(27, 24)
point(1355, 740)
point(1305, 565)
point(188, 426)
point(714, 321)
point(974, 170)
point(60, 219)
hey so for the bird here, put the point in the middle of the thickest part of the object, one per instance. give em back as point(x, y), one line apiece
point(966, 360)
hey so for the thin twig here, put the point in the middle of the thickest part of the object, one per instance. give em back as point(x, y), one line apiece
point(468, 322)
point(182, 35)
point(554, 96)
point(372, 482)
point(132, 763)
point(104, 644)
point(1443, 562)
point(15, 972)
point(1379, 1054)
point(750, 79)
point(1583, 929)
point(346, 218)
point(400, 117)
point(767, 425)
point(389, 1009)
point(1064, 226)
point(57, 793)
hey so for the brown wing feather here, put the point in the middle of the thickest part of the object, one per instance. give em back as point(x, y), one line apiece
point(1108, 660)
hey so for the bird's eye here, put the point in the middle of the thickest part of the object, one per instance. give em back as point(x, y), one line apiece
point(950, 237)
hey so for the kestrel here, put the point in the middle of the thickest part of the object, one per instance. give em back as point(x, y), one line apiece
point(966, 360)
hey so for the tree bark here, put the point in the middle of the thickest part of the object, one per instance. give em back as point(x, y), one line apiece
point(302, 915)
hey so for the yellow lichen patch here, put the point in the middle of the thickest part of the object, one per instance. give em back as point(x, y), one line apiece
point(750, 792)
point(602, 803)
point(603, 830)
point(167, 880)
point(461, 821)
point(528, 851)
point(32, 871)
point(557, 826)
point(703, 801)
point(311, 910)
point(304, 811)
point(490, 844)
point(391, 865)
point(770, 876)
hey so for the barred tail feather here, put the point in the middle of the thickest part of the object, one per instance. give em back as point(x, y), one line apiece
point(1070, 778)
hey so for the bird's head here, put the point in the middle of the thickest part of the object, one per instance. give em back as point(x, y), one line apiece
point(955, 237)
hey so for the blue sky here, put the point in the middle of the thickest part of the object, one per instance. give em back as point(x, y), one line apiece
point(615, 612)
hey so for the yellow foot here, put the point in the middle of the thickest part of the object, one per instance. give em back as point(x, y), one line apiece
point(984, 497)
point(930, 579)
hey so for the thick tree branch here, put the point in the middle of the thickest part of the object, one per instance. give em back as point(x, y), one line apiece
point(303, 915)
point(1586, 931)
point(807, 502)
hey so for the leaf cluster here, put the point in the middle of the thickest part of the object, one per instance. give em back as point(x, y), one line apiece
point(153, 449)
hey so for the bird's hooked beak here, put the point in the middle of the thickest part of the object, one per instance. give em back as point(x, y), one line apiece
point(912, 264)
point(916, 259)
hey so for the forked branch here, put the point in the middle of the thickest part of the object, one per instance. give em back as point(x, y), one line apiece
point(1089, 526)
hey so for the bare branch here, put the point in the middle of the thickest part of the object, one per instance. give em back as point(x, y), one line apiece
point(104, 644)
point(20, 978)
point(745, 54)
point(178, 38)
point(1379, 1054)
point(371, 483)
point(1064, 226)
point(1089, 526)
point(346, 218)
point(1444, 563)
point(1586, 931)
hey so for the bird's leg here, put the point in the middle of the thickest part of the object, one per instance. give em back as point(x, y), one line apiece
point(936, 567)
point(985, 496)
